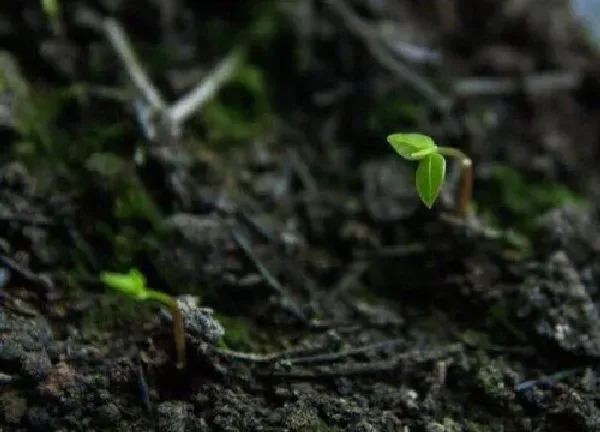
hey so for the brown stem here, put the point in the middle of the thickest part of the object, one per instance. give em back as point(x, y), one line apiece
point(179, 334)
point(178, 327)
point(465, 190)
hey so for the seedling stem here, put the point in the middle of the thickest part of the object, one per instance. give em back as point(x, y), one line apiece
point(178, 328)
point(465, 189)
point(133, 284)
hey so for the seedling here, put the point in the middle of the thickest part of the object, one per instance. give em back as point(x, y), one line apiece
point(431, 169)
point(133, 284)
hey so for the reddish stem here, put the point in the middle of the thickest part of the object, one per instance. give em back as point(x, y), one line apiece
point(465, 190)
point(179, 334)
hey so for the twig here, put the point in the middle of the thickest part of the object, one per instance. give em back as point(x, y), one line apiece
point(356, 271)
point(416, 54)
point(341, 355)
point(139, 78)
point(536, 83)
point(181, 110)
point(392, 251)
point(284, 357)
point(161, 123)
point(309, 285)
point(472, 226)
point(385, 56)
point(417, 356)
point(546, 380)
point(144, 389)
point(21, 270)
point(303, 172)
point(259, 358)
point(38, 221)
point(269, 279)
point(256, 226)
point(245, 356)
point(102, 92)
point(82, 246)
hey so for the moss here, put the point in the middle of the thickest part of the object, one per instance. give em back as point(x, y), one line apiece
point(129, 203)
point(46, 139)
point(61, 151)
point(35, 118)
point(393, 112)
point(237, 334)
point(242, 112)
point(246, 107)
point(513, 200)
point(134, 202)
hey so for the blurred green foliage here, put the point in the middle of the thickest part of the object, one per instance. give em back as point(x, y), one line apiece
point(513, 202)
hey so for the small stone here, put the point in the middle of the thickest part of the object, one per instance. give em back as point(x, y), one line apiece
point(6, 379)
point(12, 407)
point(173, 416)
point(556, 301)
point(22, 335)
point(569, 228)
point(199, 321)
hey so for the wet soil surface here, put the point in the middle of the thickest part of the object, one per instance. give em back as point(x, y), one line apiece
point(317, 293)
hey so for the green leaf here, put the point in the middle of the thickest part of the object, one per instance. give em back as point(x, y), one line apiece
point(132, 284)
point(431, 173)
point(412, 146)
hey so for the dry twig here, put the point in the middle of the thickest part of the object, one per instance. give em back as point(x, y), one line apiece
point(379, 48)
point(162, 123)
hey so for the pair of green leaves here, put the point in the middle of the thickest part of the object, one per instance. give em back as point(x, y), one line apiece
point(431, 169)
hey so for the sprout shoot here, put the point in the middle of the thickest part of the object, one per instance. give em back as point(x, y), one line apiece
point(431, 169)
point(133, 284)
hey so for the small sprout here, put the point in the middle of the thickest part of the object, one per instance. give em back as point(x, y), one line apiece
point(51, 8)
point(133, 284)
point(431, 169)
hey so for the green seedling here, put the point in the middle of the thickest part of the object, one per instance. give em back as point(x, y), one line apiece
point(133, 284)
point(431, 169)
point(51, 8)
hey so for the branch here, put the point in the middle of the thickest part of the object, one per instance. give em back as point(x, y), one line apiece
point(181, 110)
point(138, 76)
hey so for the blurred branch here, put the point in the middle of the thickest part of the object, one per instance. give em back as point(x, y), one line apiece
point(535, 83)
point(379, 47)
point(120, 43)
point(187, 105)
point(161, 123)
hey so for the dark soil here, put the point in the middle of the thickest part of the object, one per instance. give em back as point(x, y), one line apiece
point(318, 293)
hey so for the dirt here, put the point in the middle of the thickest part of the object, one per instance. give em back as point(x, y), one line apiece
point(317, 292)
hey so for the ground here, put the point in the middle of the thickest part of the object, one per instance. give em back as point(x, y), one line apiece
point(317, 292)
